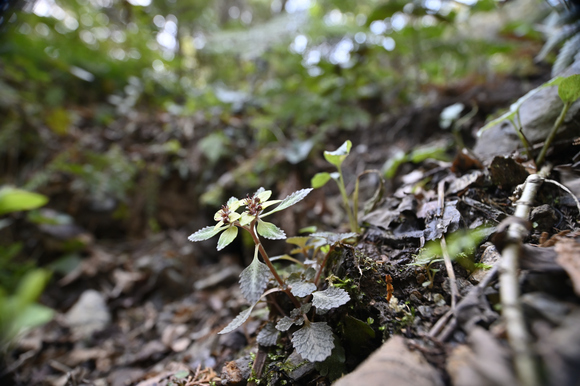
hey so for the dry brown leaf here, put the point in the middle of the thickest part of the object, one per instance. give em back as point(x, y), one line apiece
point(396, 363)
point(568, 251)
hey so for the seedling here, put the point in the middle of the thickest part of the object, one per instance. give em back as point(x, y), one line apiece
point(569, 92)
point(336, 158)
point(314, 341)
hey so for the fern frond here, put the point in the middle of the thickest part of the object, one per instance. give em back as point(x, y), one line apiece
point(566, 55)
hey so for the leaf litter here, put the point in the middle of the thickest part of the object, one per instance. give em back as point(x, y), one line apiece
point(162, 326)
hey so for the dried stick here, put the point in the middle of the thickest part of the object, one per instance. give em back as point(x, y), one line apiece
point(518, 336)
point(444, 251)
point(450, 273)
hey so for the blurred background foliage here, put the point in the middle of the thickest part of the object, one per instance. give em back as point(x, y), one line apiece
point(133, 116)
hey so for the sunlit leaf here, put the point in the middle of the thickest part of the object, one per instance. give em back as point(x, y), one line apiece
point(569, 88)
point(290, 200)
point(331, 297)
point(270, 231)
point(13, 200)
point(205, 233)
point(254, 280)
point(238, 321)
point(268, 335)
point(227, 237)
point(314, 341)
point(320, 179)
point(338, 156)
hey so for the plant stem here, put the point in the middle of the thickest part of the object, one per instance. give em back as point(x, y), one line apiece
point(552, 135)
point(252, 229)
point(317, 278)
point(341, 187)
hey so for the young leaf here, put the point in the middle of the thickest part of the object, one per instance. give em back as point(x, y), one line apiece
point(333, 238)
point(238, 321)
point(300, 241)
point(205, 233)
point(297, 312)
point(268, 335)
point(338, 156)
point(331, 297)
point(227, 237)
point(270, 231)
point(569, 89)
point(302, 288)
point(285, 323)
point(314, 341)
point(290, 200)
point(319, 180)
point(254, 280)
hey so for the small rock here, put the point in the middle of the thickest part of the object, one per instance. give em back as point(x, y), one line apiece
point(543, 217)
point(489, 257)
point(88, 315)
point(236, 372)
point(298, 367)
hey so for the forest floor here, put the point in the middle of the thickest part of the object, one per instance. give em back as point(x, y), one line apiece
point(147, 311)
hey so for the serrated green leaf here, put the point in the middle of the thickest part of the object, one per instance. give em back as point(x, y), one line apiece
point(314, 341)
point(302, 288)
point(290, 200)
point(268, 335)
point(319, 180)
point(569, 88)
point(227, 237)
point(331, 297)
point(270, 231)
point(285, 323)
point(338, 156)
point(238, 320)
point(254, 280)
point(13, 200)
point(205, 233)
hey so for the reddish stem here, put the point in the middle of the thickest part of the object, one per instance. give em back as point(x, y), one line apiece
point(252, 229)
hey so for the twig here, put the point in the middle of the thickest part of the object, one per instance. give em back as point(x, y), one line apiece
point(518, 336)
point(450, 273)
point(444, 251)
point(564, 188)
point(448, 322)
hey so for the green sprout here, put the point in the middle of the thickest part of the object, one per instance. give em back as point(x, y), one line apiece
point(336, 158)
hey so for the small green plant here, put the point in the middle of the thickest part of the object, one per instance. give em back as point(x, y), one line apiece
point(20, 284)
point(460, 245)
point(569, 92)
point(314, 341)
point(336, 158)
